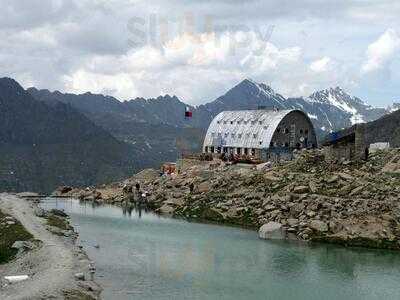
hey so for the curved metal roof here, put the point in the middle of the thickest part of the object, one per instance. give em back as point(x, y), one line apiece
point(245, 128)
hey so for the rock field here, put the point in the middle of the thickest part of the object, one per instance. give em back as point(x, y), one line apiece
point(354, 204)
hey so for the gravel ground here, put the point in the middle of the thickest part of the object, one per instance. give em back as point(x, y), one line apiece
point(51, 267)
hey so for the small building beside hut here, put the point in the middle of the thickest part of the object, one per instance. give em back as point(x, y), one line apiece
point(261, 134)
point(348, 144)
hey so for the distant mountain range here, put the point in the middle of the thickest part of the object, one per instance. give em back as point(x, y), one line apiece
point(46, 145)
point(52, 138)
point(330, 110)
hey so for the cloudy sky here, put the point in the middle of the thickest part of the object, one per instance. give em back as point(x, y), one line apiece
point(197, 49)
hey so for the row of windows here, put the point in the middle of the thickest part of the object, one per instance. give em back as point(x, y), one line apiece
point(240, 151)
point(234, 135)
point(286, 130)
point(279, 129)
point(254, 135)
point(245, 122)
point(246, 151)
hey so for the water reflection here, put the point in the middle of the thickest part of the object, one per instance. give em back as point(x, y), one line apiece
point(144, 256)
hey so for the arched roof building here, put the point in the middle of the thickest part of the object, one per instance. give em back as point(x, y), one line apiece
point(259, 132)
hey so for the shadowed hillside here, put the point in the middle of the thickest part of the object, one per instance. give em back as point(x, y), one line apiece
point(43, 146)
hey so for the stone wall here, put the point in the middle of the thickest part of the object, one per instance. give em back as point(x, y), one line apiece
point(347, 148)
point(360, 143)
point(340, 151)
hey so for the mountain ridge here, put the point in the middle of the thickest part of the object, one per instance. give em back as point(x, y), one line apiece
point(44, 145)
point(332, 107)
point(159, 126)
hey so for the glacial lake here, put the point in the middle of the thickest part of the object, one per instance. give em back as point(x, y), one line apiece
point(144, 256)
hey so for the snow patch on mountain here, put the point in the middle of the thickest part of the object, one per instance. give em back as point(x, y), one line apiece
point(394, 107)
point(311, 116)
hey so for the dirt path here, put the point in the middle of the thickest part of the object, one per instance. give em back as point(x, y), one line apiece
point(51, 268)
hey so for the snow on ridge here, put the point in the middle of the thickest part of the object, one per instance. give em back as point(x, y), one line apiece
point(356, 119)
point(311, 116)
point(343, 105)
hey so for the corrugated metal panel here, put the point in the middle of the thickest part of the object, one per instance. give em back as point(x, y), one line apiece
point(244, 128)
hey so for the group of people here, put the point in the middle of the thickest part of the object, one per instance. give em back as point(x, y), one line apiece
point(135, 194)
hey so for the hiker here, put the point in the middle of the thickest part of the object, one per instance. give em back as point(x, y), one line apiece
point(366, 153)
point(191, 187)
point(129, 196)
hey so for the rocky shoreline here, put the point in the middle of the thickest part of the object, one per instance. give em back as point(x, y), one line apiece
point(309, 199)
point(54, 264)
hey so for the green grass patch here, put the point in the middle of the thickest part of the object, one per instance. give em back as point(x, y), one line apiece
point(58, 222)
point(77, 295)
point(8, 235)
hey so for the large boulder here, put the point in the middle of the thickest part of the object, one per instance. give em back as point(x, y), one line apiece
point(301, 189)
point(63, 190)
point(203, 187)
point(272, 231)
point(174, 202)
point(166, 209)
point(318, 226)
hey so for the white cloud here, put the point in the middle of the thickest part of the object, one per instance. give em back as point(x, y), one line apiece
point(381, 52)
point(120, 84)
point(79, 46)
point(183, 66)
point(320, 65)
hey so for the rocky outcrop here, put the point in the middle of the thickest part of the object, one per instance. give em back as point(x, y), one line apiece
point(313, 200)
point(272, 231)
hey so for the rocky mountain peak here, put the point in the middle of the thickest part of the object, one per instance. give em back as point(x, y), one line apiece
point(394, 107)
point(9, 84)
point(257, 87)
point(337, 97)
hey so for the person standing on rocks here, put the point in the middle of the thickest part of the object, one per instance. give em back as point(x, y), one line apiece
point(131, 196)
point(191, 187)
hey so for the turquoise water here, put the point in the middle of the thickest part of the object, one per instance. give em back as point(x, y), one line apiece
point(149, 257)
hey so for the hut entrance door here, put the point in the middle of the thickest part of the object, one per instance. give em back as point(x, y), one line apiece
point(292, 135)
